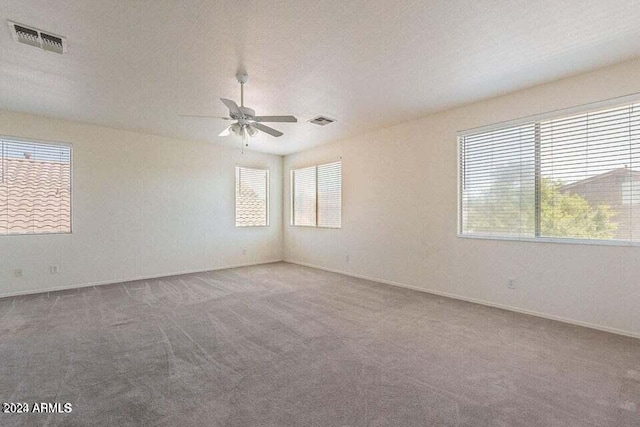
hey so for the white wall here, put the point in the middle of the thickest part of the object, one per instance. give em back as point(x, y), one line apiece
point(400, 217)
point(142, 206)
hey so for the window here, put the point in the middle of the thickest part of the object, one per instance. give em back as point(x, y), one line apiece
point(252, 197)
point(304, 202)
point(631, 191)
point(35, 188)
point(316, 196)
point(571, 177)
point(330, 195)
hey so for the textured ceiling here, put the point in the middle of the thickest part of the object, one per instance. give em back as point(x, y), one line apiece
point(137, 64)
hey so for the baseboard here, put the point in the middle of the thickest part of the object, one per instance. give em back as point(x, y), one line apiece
point(131, 279)
point(476, 301)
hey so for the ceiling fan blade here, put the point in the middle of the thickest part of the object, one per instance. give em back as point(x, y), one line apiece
point(204, 117)
point(273, 119)
point(232, 106)
point(226, 131)
point(267, 129)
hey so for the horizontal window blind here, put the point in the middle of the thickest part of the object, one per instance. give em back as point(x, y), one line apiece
point(252, 197)
point(303, 192)
point(330, 195)
point(498, 182)
point(571, 177)
point(589, 170)
point(35, 188)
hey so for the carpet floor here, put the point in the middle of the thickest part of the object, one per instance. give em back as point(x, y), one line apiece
point(285, 345)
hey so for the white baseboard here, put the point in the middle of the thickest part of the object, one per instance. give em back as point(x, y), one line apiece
point(477, 301)
point(130, 279)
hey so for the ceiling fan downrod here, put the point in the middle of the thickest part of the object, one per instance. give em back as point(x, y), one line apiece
point(242, 79)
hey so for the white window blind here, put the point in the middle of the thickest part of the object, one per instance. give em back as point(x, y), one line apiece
point(316, 196)
point(304, 196)
point(330, 195)
point(252, 197)
point(498, 182)
point(571, 177)
point(35, 188)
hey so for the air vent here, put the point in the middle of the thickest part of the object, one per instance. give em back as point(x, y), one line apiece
point(321, 121)
point(38, 38)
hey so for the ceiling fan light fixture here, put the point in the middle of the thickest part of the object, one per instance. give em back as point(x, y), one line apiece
point(235, 128)
point(252, 131)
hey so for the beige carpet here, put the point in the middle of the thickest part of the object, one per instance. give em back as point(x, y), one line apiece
point(284, 345)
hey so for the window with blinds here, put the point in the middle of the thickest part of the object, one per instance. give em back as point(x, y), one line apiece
point(330, 195)
point(304, 197)
point(252, 197)
point(573, 177)
point(316, 196)
point(35, 188)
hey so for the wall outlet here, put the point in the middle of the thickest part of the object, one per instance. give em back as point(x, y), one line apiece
point(17, 272)
point(244, 252)
point(511, 284)
point(346, 258)
point(53, 269)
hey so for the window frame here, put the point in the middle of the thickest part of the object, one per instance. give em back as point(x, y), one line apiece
point(292, 195)
point(536, 119)
point(631, 190)
point(268, 198)
point(71, 192)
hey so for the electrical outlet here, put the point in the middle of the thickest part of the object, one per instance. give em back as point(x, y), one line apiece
point(53, 269)
point(244, 252)
point(17, 272)
point(346, 258)
point(511, 284)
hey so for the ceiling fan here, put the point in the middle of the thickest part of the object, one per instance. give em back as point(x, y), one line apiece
point(246, 121)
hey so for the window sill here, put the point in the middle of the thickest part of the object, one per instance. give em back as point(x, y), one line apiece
point(62, 233)
point(314, 226)
point(589, 242)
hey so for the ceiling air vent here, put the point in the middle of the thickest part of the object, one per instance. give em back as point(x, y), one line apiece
point(38, 38)
point(321, 121)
